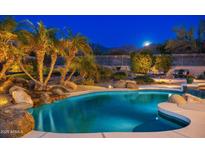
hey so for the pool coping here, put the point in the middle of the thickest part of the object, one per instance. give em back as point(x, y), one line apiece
point(194, 130)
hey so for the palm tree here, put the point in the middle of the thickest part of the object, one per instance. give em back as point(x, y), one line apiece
point(11, 50)
point(7, 44)
point(13, 45)
point(18, 40)
point(24, 48)
point(42, 44)
point(56, 49)
point(86, 66)
point(74, 67)
point(41, 41)
point(73, 46)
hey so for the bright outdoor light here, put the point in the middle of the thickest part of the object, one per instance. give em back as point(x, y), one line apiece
point(146, 43)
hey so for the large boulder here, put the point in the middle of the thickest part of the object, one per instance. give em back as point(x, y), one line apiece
point(4, 99)
point(45, 98)
point(19, 95)
point(71, 85)
point(177, 99)
point(193, 99)
point(58, 91)
point(16, 88)
point(120, 84)
point(15, 123)
point(62, 88)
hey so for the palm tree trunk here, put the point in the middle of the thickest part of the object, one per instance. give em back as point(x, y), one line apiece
point(6, 67)
point(27, 73)
point(53, 62)
point(65, 69)
point(70, 76)
point(40, 59)
point(83, 76)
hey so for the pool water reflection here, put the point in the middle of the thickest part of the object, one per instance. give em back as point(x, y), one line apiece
point(121, 111)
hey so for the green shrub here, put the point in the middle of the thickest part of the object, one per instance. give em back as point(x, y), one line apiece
point(163, 63)
point(190, 79)
point(145, 79)
point(119, 76)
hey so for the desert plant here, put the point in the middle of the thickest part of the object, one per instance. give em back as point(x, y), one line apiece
point(141, 62)
point(17, 43)
point(73, 45)
point(119, 76)
point(86, 66)
point(189, 79)
point(7, 44)
point(42, 41)
point(144, 79)
point(56, 49)
point(163, 63)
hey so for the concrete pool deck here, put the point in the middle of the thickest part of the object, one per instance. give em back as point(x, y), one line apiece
point(194, 130)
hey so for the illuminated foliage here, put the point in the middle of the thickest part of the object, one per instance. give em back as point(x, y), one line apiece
point(73, 45)
point(141, 62)
point(163, 63)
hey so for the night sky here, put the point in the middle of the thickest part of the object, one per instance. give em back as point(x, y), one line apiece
point(116, 31)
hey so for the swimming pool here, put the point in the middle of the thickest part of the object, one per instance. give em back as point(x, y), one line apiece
point(116, 111)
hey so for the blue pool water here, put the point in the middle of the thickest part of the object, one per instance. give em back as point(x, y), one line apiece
point(125, 111)
point(198, 93)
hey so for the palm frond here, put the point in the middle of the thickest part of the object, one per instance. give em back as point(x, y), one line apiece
point(27, 25)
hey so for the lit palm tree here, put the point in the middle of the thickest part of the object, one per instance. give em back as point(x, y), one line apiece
point(42, 44)
point(12, 45)
point(6, 51)
point(73, 46)
point(24, 49)
point(74, 67)
point(18, 42)
point(7, 44)
point(56, 49)
point(41, 41)
point(86, 66)
point(11, 50)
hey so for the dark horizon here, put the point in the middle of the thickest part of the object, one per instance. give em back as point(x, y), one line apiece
point(121, 30)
